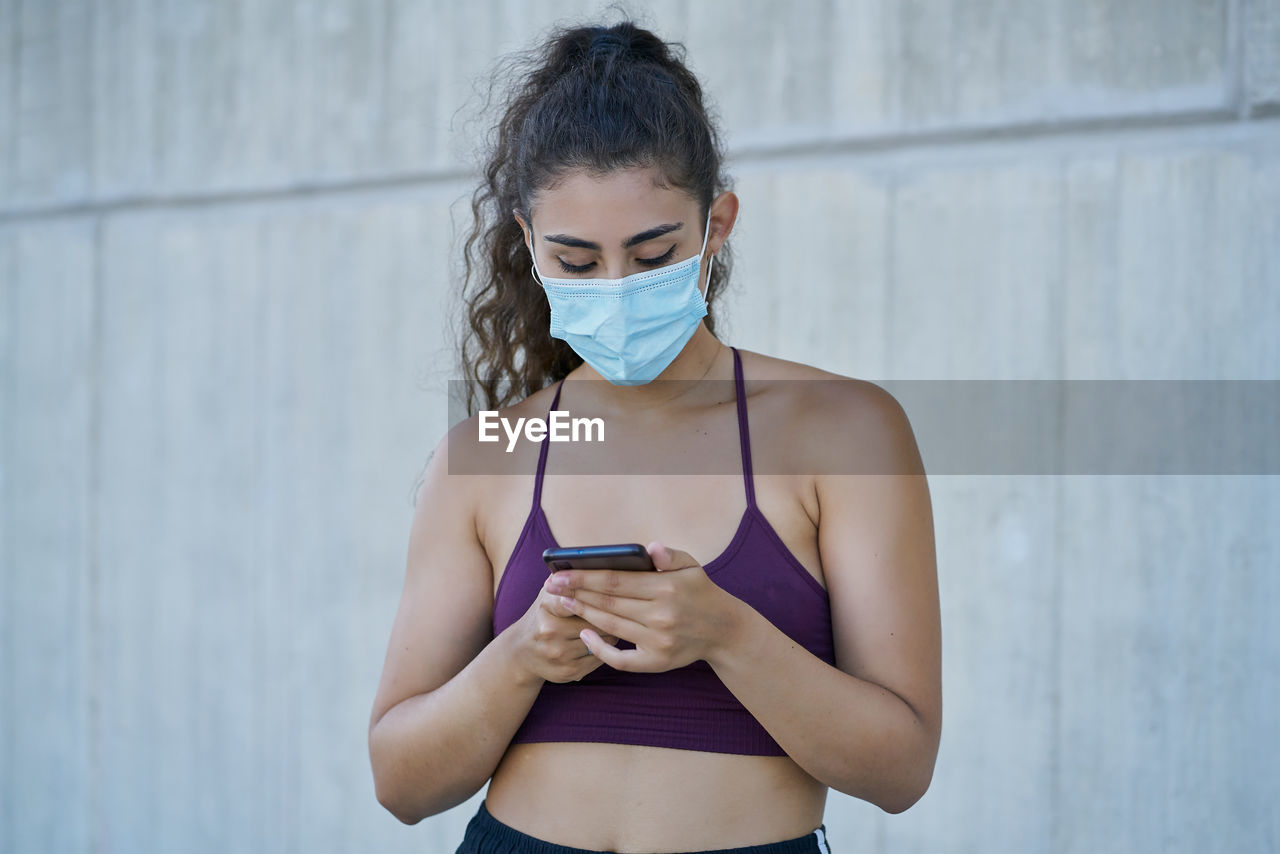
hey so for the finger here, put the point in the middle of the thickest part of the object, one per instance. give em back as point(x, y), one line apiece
point(619, 659)
point(554, 605)
point(579, 624)
point(609, 622)
point(616, 582)
point(592, 641)
point(633, 609)
point(667, 559)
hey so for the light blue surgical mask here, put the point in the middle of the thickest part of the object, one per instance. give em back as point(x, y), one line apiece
point(630, 329)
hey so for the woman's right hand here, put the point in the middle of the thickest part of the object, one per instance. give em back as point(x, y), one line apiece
point(547, 642)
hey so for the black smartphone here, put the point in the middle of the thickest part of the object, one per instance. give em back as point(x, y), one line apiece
point(615, 556)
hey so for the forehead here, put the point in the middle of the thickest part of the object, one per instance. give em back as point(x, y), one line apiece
point(619, 203)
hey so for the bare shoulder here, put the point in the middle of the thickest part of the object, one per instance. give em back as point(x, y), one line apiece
point(834, 423)
point(478, 445)
point(481, 446)
point(759, 366)
point(467, 471)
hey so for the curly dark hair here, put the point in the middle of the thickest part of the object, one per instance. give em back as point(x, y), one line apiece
point(597, 98)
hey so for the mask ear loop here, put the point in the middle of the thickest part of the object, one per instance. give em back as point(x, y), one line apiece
point(533, 267)
point(711, 262)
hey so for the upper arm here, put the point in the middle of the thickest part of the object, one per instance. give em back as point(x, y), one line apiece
point(446, 605)
point(876, 539)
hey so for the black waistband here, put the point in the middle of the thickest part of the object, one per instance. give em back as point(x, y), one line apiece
point(486, 835)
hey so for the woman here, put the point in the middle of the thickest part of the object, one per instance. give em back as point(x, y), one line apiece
point(708, 705)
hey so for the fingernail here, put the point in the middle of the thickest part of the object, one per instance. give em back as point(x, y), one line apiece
point(566, 601)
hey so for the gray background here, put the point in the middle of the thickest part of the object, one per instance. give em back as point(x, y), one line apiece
point(227, 236)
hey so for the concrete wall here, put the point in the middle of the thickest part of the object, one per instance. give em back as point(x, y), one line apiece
point(226, 242)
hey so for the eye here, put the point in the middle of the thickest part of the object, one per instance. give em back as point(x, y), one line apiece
point(574, 268)
point(652, 262)
point(661, 259)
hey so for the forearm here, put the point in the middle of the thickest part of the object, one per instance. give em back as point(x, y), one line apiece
point(432, 751)
point(853, 735)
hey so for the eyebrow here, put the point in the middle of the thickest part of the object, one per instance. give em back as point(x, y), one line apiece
point(650, 234)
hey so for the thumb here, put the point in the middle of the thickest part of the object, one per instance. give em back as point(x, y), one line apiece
point(667, 559)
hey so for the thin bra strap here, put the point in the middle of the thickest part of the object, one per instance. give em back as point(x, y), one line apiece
point(542, 453)
point(744, 434)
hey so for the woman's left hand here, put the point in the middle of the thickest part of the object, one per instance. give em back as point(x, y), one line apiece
point(674, 616)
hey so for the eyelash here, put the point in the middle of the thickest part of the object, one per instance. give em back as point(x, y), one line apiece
point(582, 268)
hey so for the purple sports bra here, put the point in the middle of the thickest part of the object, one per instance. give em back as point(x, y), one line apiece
point(687, 708)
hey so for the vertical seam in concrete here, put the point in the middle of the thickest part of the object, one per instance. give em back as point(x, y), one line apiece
point(1237, 88)
point(950, 58)
point(15, 114)
point(6, 457)
point(294, 141)
point(1059, 293)
point(91, 161)
point(263, 638)
point(89, 631)
point(230, 74)
point(93, 805)
point(887, 89)
point(878, 840)
point(828, 48)
point(778, 271)
point(890, 271)
point(286, 813)
point(1055, 677)
point(269, 818)
point(382, 120)
point(8, 395)
point(1114, 238)
point(156, 170)
point(1056, 841)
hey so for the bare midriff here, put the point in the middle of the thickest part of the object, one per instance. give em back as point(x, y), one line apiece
point(632, 798)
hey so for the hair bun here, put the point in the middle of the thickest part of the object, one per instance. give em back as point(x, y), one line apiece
point(607, 41)
point(627, 41)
